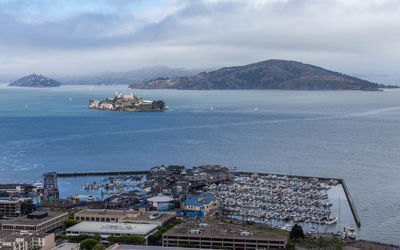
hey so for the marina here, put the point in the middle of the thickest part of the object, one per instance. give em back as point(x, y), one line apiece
point(274, 200)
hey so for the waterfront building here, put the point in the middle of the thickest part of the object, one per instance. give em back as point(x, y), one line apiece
point(36, 222)
point(26, 241)
point(50, 186)
point(108, 229)
point(199, 205)
point(15, 206)
point(215, 234)
point(162, 202)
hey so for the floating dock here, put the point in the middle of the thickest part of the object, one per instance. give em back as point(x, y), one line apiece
point(341, 181)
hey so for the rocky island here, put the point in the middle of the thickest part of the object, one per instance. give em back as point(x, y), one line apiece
point(128, 103)
point(36, 81)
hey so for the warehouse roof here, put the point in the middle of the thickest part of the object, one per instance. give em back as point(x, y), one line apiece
point(112, 228)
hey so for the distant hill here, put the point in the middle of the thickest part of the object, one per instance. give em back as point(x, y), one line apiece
point(270, 74)
point(35, 80)
point(130, 77)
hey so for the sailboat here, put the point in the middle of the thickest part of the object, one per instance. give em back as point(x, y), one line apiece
point(256, 109)
point(70, 98)
point(212, 108)
point(26, 106)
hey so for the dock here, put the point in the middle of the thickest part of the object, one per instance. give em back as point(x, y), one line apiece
point(341, 181)
point(102, 173)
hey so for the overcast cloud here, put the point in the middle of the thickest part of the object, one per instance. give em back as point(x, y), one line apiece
point(74, 37)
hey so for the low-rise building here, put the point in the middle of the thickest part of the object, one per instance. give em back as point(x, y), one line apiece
point(107, 229)
point(36, 222)
point(157, 218)
point(215, 234)
point(26, 241)
point(15, 206)
point(68, 246)
point(162, 202)
point(126, 216)
point(100, 215)
point(199, 205)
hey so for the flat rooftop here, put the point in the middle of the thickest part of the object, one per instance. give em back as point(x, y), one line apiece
point(216, 228)
point(112, 228)
point(24, 220)
point(67, 246)
point(145, 217)
point(13, 200)
point(103, 212)
point(11, 236)
point(139, 247)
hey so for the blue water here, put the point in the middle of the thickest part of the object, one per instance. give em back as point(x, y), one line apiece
point(347, 134)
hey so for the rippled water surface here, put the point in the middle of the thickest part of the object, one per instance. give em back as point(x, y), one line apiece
point(347, 134)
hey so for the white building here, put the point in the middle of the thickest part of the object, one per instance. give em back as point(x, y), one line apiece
point(108, 229)
point(160, 199)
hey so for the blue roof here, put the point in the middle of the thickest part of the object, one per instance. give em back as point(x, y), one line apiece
point(200, 200)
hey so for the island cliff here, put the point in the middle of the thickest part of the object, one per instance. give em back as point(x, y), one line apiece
point(128, 103)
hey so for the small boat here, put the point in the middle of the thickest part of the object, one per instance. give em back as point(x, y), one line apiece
point(70, 98)
point(38, 184)
point(26, 106)
point(312, 230)
point(212, 108)
point(232, 168)
point(256, 109)
point(90, 197)
point(351, 233)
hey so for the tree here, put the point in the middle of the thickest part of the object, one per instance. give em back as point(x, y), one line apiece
point(296, 232)
point(88, 244)
point(70, 222)
point(1, 215)
point(99, 246)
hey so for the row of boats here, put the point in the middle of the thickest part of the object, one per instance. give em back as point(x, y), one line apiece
point(268, 198)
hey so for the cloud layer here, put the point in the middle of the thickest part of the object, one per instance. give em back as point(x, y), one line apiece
point(84, 37)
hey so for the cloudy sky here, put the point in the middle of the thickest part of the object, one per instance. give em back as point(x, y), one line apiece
point(75, 37)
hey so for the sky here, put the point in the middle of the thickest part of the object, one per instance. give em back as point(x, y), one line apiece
point(75, 37)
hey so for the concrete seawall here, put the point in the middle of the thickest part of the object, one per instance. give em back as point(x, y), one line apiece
point(351, 203)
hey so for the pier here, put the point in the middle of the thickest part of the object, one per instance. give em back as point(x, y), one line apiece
point(101, 173)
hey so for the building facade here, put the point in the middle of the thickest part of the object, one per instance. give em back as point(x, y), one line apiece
point(36, 222)
point(26, 241)
point(199, 205)
point(50, 186)
point(15, 206)
point(212, 233)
